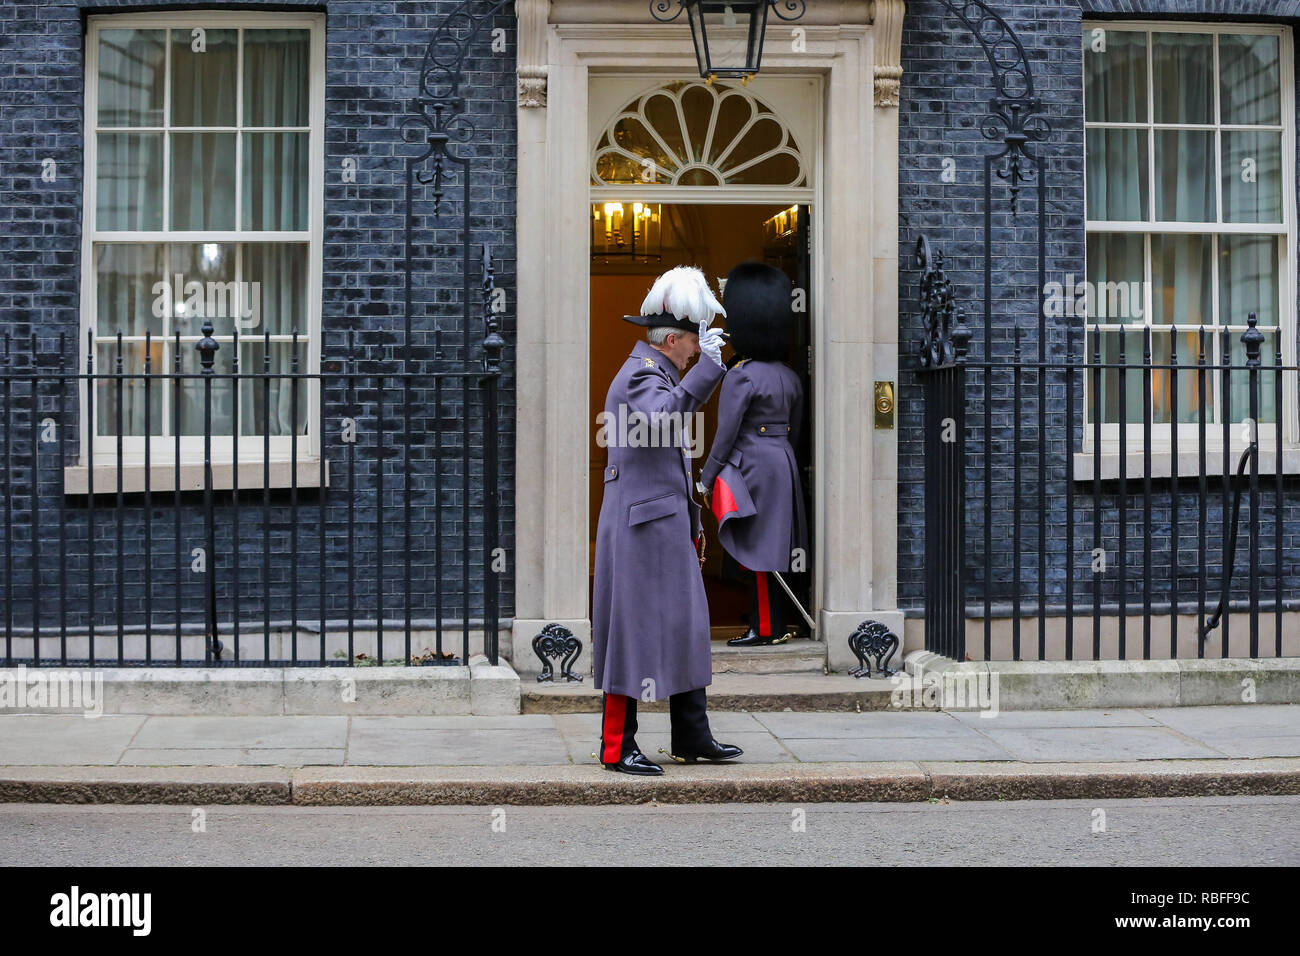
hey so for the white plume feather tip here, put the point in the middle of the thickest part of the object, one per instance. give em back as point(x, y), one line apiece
point(685, 293)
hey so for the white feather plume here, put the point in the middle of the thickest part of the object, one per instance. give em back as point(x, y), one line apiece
point(683, 292)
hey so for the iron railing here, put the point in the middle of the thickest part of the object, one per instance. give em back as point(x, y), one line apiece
point(392, 559)
point(1053, 532)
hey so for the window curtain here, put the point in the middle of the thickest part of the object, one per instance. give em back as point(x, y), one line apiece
point(1116, 92)
point(280, 274)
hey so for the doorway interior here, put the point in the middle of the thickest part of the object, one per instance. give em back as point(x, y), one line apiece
point(632, 243)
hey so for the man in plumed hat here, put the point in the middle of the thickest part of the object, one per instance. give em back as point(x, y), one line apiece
point(650, 615)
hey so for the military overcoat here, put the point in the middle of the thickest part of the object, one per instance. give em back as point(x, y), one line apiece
point(650, 615)
point(757, 496)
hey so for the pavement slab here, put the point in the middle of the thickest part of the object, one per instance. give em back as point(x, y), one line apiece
point(1099, 744)
point(65, 738)
point(541, 758)
point(223, 733)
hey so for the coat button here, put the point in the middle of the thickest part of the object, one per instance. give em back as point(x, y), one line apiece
point(763, 428)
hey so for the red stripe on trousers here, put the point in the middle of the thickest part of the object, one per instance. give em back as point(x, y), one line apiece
point(764, 612)
point(613, 725)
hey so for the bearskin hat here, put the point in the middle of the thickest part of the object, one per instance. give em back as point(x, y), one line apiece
point(759, 313)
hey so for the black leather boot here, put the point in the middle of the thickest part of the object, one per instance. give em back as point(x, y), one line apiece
point(635, 762)
point(752, 638)
point(709, 751)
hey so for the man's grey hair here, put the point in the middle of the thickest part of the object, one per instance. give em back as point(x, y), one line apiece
point(658, 335)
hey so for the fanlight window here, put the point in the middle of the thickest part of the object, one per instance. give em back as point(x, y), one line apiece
point(697, 134)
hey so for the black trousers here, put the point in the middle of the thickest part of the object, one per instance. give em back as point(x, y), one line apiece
point(687, 713)
point(766, 605)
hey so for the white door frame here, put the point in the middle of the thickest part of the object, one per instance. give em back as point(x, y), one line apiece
point(855, 331)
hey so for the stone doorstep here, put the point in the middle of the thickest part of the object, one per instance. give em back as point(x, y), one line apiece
point(590, 785)
point(479, 689)
point(1078, 685)
point(799, 692)
point(796, 656)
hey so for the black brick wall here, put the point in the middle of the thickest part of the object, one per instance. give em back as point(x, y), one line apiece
point(373, 56)
point(945, 90)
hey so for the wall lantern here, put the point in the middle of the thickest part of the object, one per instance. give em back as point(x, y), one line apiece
point(728, 34)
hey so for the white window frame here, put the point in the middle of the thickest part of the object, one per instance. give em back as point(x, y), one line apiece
point(1188, 434)
point(251, 447)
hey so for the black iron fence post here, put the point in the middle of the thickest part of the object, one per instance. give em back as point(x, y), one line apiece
point(493, 343)
point(207, 348)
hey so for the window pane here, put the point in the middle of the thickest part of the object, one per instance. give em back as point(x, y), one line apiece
point(191, 408)
point(1250, 80)
point(1182, 280)
point(1248, 279)
point(276, 274)
point(1117, 175)
point(129, 182)
point(207, 290)
point(127, 395)
point(1188, 346)
point(1115, 273)
point(203, 181)
point(1252, 177)
point(266, 404)
point(275, 181)
point(203, 83)
point(1185, 170)
point(1184, 77)
point(277, 75)
point(1240, 381)
point(1115, 75)
point(132, 64)
point(125, 276)
point(1111, 378)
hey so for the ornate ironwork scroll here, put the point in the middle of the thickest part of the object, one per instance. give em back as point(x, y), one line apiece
point(787, 10)
point(1015, 113)
point(556, 642)
point(946, 335)
point(438, 119)
point(872, 640)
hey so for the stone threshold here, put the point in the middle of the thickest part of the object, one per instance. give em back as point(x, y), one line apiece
point(799, 692)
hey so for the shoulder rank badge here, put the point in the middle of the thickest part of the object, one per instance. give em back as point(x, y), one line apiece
point(649, 363)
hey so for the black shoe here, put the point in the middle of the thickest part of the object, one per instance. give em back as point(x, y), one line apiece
point(752, 638)
point(710, 751)
point(635, 762)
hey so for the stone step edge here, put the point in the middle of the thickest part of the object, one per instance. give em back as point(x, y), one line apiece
point(1107, 684)
point(836, 701)
point(591, 785)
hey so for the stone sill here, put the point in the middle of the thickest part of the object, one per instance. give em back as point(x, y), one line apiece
point(1189, 464)
point(162, 477)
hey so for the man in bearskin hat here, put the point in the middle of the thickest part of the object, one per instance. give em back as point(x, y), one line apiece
point(751, 473)
point(650, 615)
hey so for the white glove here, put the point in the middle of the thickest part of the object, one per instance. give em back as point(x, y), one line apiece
point(711, 343)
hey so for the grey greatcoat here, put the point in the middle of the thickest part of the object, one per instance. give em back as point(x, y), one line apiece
point(751, 471)
point(650, 615)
